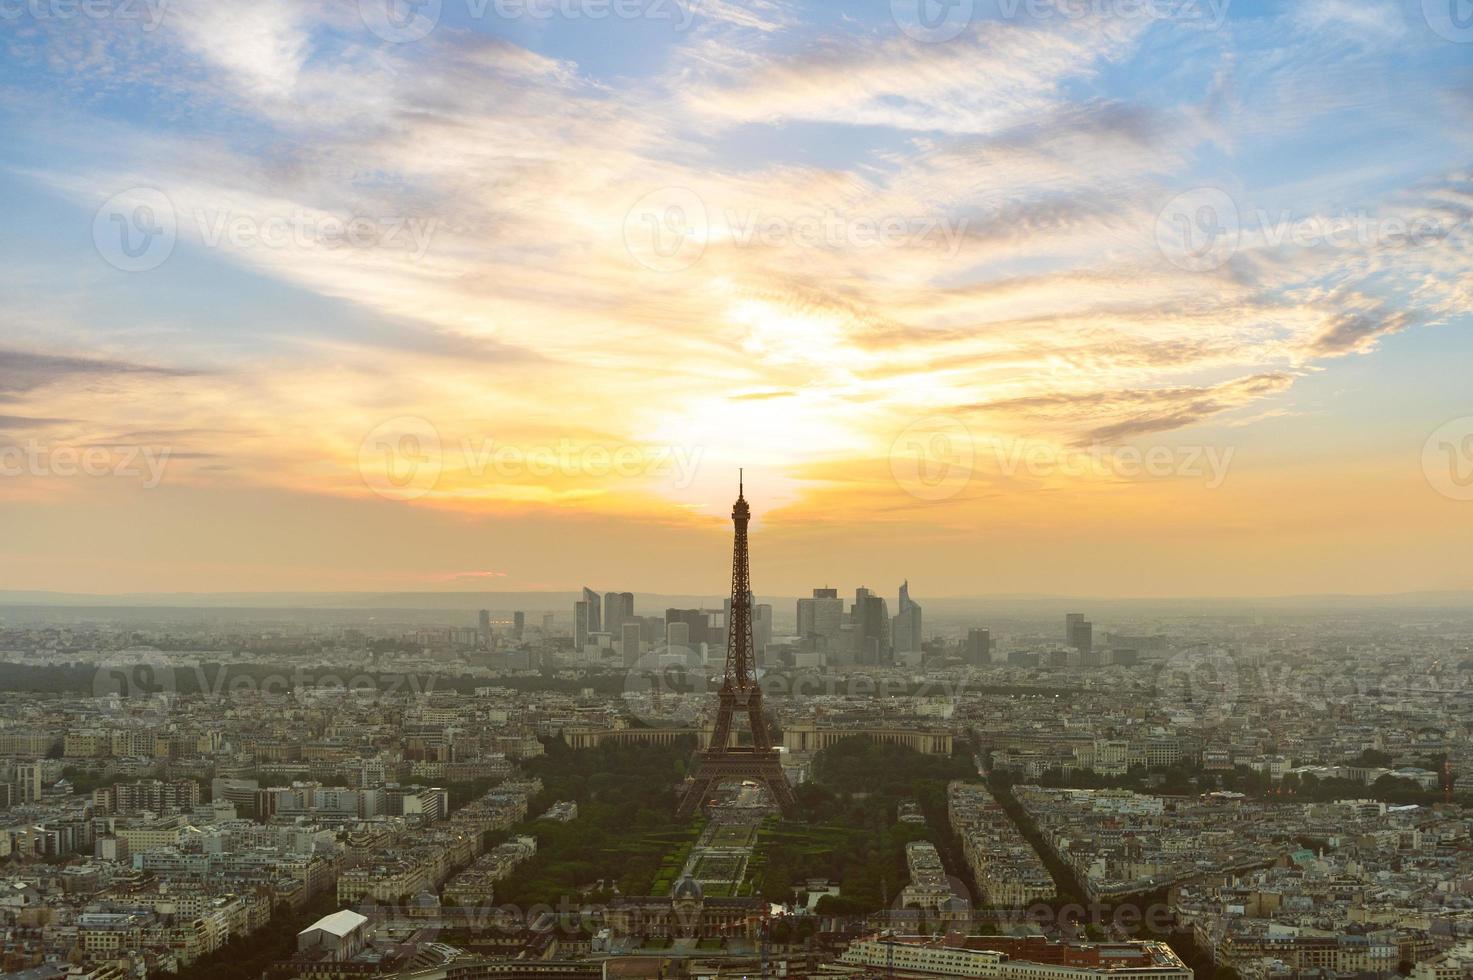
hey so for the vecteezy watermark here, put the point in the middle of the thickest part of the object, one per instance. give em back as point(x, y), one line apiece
point(303, 229)
point(1447, 458)
point(665, 683)
point(406, 21)
point(1197, 230)
point(400, 21)
point(1203, 13)
point(403, 459)
point(135, 230)
point(1451, 20)
point(227, 683)
point(38, 459)
point(1071, 919)
point(1201, 680)
point(935, 21)
point(668, 230)
point(571, 458)
point(933, 458)
point(1042, 460)
point(149, 13)
point(1201, 229)
point(135, 683)
point(836, 231)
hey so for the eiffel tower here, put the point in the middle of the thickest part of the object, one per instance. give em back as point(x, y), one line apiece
point(721, 761)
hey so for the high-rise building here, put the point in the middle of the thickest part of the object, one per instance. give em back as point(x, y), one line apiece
point(979, 646)
point(697, 622)
point(907, 624)
point(761, 629)
point(822, 615)
point(1078, 632)
point(580, 624)
point(595, 621)
point(629, 643)
point(28, 782)
point(871, 629)
point(518, 623)
point(586, 618)
point(1084, 637)
point(618, 607)
point(483, 626)
point(677, 636)
point(547, 620)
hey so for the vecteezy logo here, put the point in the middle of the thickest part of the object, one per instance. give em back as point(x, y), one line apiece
point(401, 458)
point(135, 230)
point(400, 21)
point(932, 21)
point(135, 683)
point(1447, 458)
point(1451, 20)
point(666, 230)
point(666, 684)
point(1198, 229)
point(933, 458)
point(1201, 681)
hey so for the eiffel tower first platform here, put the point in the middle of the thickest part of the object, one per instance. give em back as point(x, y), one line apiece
point(721, 761)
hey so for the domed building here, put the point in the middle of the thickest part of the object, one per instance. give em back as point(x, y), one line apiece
point(687, 914)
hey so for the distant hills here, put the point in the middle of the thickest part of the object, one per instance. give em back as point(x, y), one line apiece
point(656, 603)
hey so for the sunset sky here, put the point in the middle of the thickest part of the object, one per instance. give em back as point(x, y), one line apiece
point(1108, 299)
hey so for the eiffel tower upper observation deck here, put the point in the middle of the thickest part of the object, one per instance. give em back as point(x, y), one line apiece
point(721, 761)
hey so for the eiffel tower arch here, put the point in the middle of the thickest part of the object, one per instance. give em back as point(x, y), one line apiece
point(722, 761)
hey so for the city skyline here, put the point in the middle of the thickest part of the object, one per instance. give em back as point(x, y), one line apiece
point(1183, 288)
point(579, 489)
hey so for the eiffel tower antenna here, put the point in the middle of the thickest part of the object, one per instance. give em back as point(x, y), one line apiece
point(722, 761)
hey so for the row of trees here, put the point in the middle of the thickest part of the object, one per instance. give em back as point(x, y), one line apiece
point(845, 827)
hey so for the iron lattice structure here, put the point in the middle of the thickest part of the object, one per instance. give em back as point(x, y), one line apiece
point(722, 761)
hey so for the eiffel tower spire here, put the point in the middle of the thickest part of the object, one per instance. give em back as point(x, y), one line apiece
point(721, 761)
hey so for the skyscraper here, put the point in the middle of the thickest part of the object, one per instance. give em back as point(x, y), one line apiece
point(697, 622)
point(979, 646)
point(761, 630)
point(629, 642)
point(595, 621)
point(484, 626)
point(618, 607)
point(907, 625)
point(518, 623)
point(1078, 632)
point(871, 629)
point(580, 624)
point(586, 619)
point(821, 616)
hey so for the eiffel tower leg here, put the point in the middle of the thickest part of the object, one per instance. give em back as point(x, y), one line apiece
point(758, 722)
point(695, 796)
point(781, 791)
